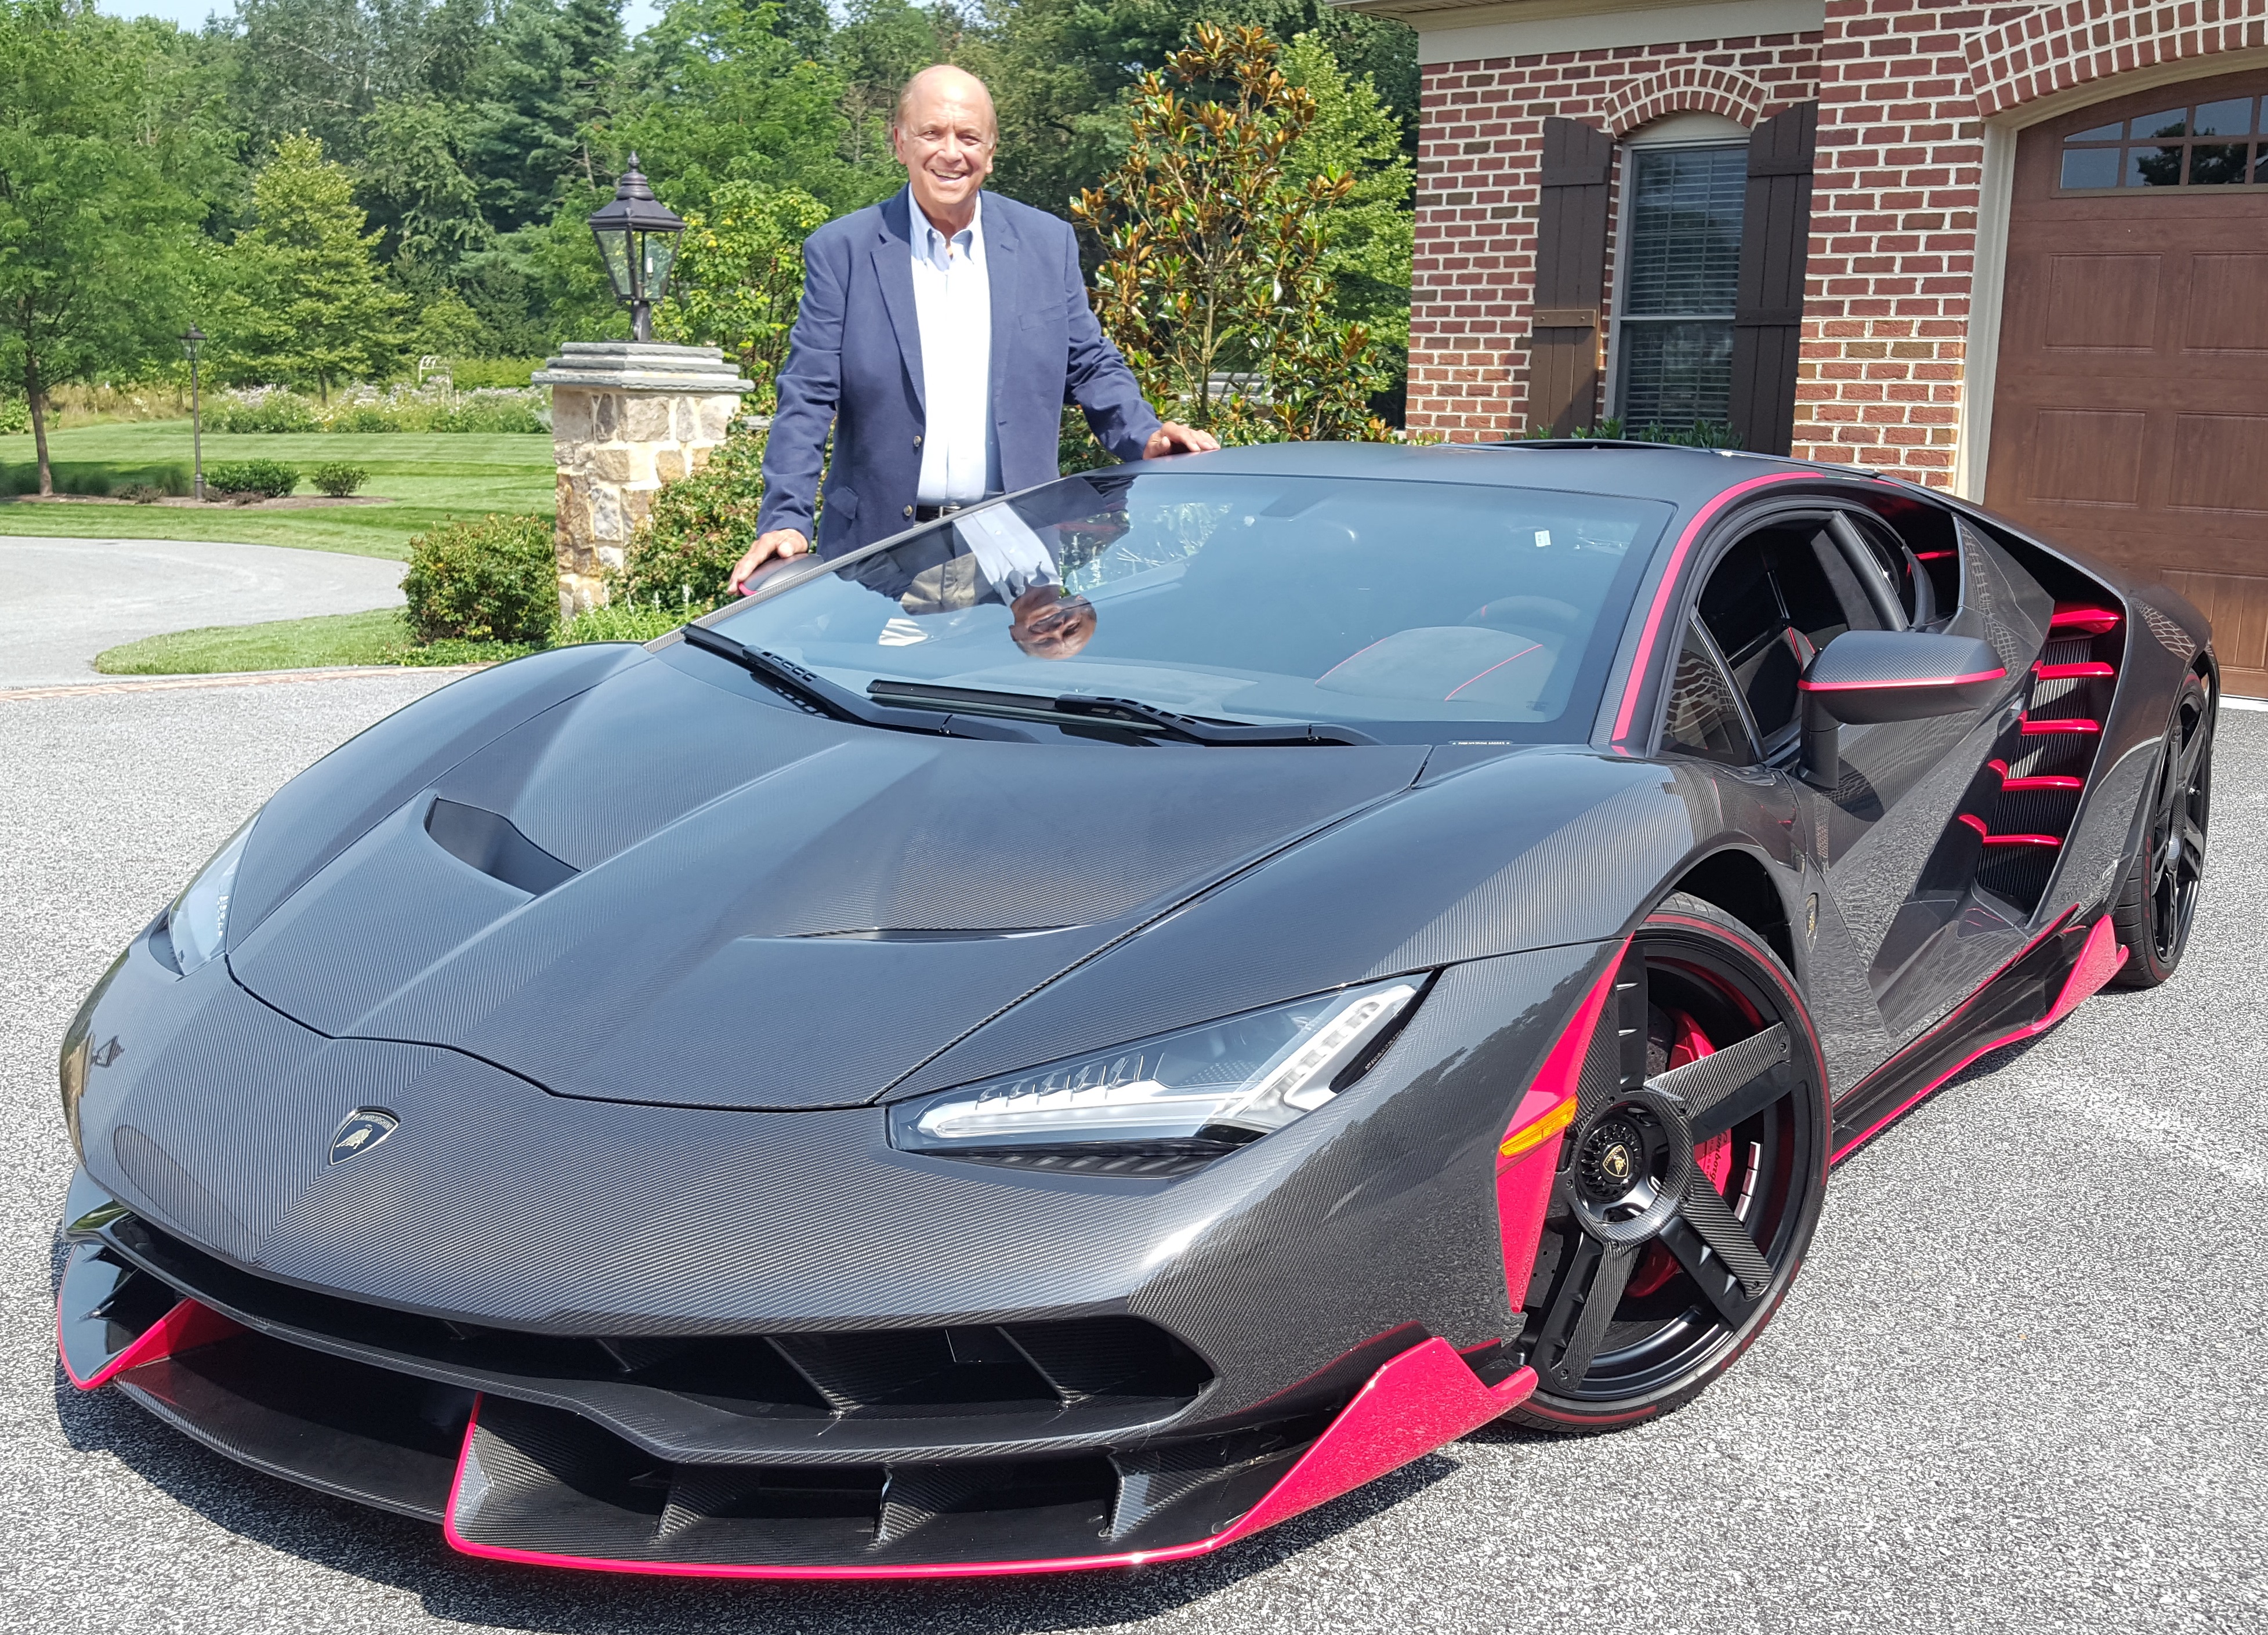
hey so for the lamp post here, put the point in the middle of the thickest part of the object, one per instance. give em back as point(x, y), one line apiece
point(637, 242)
point(192, 338)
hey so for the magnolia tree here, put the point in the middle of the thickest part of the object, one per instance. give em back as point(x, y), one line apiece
point(1215, 253)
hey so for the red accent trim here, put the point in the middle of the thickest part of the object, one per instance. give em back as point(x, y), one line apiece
point(1975, 822)
point(2040, 784)
point(1993, 674)
point(1668, 588)
point(1424, 1398)
point(2067, 725)
point(2086, 620)
point(1934, 556)
point(2023, 840)
point(1999, 766)
point(1523, 1182)
point(2086, 670)
point(2097, 963)
point(1499, 665)
point(183, 1328)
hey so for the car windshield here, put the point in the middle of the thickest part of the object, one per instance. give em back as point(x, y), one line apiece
point(1414, 611)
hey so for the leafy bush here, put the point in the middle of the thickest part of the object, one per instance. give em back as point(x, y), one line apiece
point(142, 493)
point(509, 374)
point(620, 622)
point(363, 417)
point(269, 409)
point(493, 580)
point(264, 479)
point(338, 479)
point(15, 416)
point(700, 526)
point(490, 417)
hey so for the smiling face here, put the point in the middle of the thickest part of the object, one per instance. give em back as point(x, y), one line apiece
point(944, 133)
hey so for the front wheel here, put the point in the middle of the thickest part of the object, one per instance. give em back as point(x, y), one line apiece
point(1690, 1183)
point(2159, 898)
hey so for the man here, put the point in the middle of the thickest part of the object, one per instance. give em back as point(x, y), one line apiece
point(941, 333)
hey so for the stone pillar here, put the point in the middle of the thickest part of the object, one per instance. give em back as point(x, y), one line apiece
point(627, 417)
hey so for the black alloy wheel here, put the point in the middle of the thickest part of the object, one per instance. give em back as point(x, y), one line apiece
point(1690, 1183)
point(2159, 898)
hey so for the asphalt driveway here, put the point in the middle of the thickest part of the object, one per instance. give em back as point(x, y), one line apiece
point(61, 601)
point(2019, 1386)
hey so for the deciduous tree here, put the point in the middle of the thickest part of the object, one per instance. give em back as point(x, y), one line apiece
point(739, 276)
point(97, 225)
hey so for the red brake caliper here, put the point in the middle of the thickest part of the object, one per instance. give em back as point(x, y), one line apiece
point(1715, 1156)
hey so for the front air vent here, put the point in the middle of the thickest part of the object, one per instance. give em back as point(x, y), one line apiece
point(488, 842)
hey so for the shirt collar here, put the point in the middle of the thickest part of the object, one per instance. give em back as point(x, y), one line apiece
point(929, 243)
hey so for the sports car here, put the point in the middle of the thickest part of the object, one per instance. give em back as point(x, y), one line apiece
point(1080, 1031)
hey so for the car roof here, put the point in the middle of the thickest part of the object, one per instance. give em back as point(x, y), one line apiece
point(1684, 477)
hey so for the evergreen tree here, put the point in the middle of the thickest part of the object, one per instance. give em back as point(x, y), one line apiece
point(541, 90)
point(317, 305)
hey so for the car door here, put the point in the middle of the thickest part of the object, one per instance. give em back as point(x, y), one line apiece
point(1888, 839)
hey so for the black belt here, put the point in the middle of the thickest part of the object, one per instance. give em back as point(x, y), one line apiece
point(930, 513)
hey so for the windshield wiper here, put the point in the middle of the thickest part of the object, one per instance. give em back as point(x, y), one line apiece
point(1131, 713)
point(814, 693)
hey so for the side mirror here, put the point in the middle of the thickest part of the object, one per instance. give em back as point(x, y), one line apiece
point(1865, 676)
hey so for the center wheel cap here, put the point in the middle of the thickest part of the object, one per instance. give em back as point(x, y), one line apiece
point(1612, 1160)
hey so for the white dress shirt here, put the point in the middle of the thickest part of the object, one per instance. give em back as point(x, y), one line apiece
point(953, 305)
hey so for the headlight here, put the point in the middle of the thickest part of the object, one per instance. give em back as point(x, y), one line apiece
point(197, 923)
point(1181, 1097)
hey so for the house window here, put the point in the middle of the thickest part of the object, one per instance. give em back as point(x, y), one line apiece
point(2205, 144)
point(1680, 266)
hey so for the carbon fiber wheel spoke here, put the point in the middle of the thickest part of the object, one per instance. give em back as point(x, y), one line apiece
point(1724, 1087)
point(1590, 1287)
point(1707, 1268)
point(1707, 1213)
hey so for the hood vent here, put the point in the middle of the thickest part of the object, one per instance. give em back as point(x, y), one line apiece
point(491, 844)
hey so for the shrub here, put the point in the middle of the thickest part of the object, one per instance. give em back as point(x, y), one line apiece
point(493, 580)
point(261, 479)
point(338, 479)
point(490, 417)
point(267, 410)
point(475, 373)
point(363, 417)
point(620, 622)
point(142, 493)
point(699, 527)
point(15, 416)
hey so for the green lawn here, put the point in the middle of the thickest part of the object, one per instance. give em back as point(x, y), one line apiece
point(428, 478)
point(375, 637)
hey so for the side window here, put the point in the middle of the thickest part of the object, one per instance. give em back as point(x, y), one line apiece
point(1704, 718)
point(1926, 554)
point(1775, 599)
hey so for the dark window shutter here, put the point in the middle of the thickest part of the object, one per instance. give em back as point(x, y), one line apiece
point(1775, 244)
point(1570, 270)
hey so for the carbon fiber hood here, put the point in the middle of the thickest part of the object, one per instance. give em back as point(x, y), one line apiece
point(660, 889)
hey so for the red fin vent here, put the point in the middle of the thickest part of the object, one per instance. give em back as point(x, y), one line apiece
point(2044, 843)
point(2075, 725)
point(2079, 619)
point(2042, 784)
point(2085, 670)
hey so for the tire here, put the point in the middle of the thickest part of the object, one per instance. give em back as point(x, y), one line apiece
point(2157, 900)
point(1698, 1226)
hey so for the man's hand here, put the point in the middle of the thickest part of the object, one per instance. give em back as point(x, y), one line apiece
point(1173, 438)
point(780, 542)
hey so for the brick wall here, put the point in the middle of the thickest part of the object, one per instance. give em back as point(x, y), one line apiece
point(1478, 158)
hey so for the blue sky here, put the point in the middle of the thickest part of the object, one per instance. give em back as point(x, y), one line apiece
point(636, 14)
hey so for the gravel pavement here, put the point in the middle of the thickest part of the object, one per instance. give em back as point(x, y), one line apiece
point(61, 601)
point(2019, 1387)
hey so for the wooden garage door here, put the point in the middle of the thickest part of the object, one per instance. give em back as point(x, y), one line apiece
point(2131, 412)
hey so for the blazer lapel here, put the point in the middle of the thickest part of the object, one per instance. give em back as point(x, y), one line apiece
point(893, 269)
point(1001, 265)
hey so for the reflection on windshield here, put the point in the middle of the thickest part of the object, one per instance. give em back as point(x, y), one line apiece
point(1435, 608)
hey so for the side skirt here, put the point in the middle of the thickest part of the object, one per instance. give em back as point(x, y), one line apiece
point(2067, 965)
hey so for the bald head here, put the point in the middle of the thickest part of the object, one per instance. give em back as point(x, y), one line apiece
point(943, 81)
point(944, 133)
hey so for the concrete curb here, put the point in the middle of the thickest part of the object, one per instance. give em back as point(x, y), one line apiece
point(234, 678)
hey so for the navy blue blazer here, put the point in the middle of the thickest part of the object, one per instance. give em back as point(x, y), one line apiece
point(854, 363)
